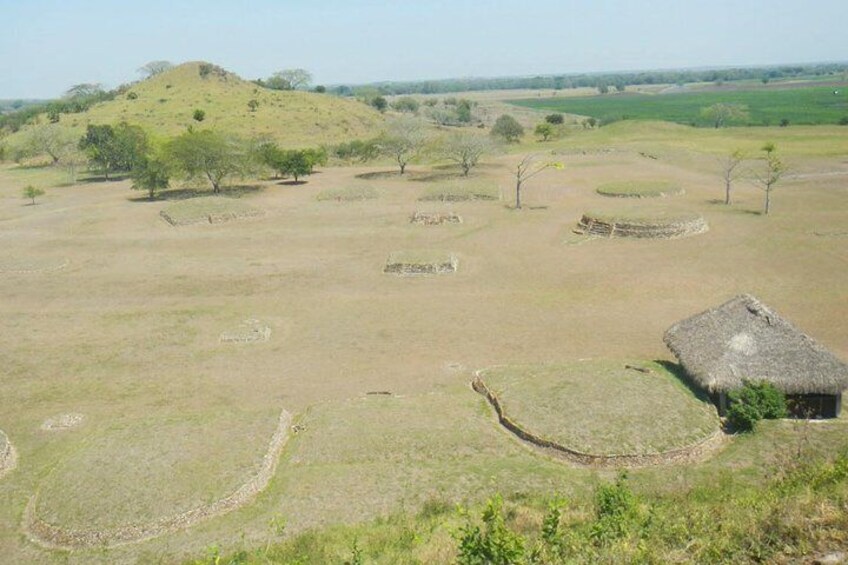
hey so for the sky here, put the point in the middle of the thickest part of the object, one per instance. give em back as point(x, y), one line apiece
point(46, 46)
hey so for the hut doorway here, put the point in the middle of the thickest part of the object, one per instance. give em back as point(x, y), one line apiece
point(814, 406)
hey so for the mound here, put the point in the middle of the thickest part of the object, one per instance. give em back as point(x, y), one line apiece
point(461, 192)
point(408, 263)
point(207, 210)
point(62, 422)
point(348, 194)
point(601, 410)
point(434, 218)
point(19, 265)
point(249, 331)
point(165, 104)
point(130, 485)
point(8, 456)
point(657, 225)
point(639, 189)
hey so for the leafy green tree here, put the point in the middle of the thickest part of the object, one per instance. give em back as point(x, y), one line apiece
point(31, 193)
point(151, 173)
point(253, 104)
point(379, 103)
point(753, 402)
point(289, 79)
point(555, 119)
point(721, 114)
point(357, 150)
point(463, 111)
point(209, 154)
point(114, 149)
point(774, 171)
point(507, 128)
point(404, 140)
point(406, 104)
point(544, 130)
point(295, 163)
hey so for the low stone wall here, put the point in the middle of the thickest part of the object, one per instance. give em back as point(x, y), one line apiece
point(688, 454)
point(435, 218)
point(56, 537)
point(412, 269)
point(8, 455)
point(639, 229)
point(214, 218)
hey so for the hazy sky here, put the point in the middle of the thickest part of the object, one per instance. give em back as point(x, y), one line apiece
point(48, 45)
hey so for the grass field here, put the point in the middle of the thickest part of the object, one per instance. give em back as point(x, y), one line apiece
point(128, 335)
point(766, 106)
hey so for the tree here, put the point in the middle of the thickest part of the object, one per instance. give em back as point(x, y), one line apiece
point(465, 149)
point(774, 170)
point(379, 103)
point(720, 114)
point(293, 162)
point(730, 171)
point(114, 149)
point(289, 79)
point(528, 168)
point(208, 154)
point(32, 193)
point(544, 130)
point(507, 128)
point(603, 88)
point(49, 139)
point(253, 104)
point(406, 104)
point(403, 141)
point(555, 119)
point(152, 173)
point(84, 90)
point(463, 111)
point(199, 115)
point(154, 68)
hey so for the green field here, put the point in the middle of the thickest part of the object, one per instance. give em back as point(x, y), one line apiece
point(766, 106)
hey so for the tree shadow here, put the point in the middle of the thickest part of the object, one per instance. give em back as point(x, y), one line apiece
point(188, 193)
point(291, 182)
point(378, 175)
point(101, 179)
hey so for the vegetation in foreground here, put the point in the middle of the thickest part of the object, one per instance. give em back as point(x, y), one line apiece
point(765, 106)
point(801, 511)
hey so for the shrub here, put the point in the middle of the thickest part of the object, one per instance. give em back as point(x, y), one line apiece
point(199, 115)
point(131, 95)
point(31, 193)
point(753, 402)
point(491, 544)
point(843, 121)
point(615, 510)
point(555, 119)
point(508, 128)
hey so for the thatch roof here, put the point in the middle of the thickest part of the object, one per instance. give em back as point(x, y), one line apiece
point(744, 339)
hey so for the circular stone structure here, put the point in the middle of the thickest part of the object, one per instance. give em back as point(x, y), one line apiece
point(434, 218)
point(602, 413)
point(639, 189)
point(208, 210)
point(642, 225)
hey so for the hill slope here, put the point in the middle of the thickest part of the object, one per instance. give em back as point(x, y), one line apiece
point(164, 105)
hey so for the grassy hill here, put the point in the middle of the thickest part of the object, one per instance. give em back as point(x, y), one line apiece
point(164, 105)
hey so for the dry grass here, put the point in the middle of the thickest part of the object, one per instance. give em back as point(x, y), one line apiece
point(602, 408)
point(128, 334)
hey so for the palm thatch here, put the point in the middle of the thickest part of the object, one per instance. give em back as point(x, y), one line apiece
point(744, 339)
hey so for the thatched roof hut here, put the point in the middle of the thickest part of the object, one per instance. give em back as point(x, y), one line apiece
point(744, 339)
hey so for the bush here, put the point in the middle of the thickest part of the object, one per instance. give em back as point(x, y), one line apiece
point(555, 119)
point(753, 402)
point(199, 115)
point(131, 95)
point(843, 121)
point(615, 509)
point(508, 128)
point(491, 544)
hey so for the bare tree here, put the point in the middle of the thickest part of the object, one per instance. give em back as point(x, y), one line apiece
point(47, 139)
point(403, 141)
point(465, 149)
point(528, 168)
point(84, 90)
point(730, 171)
point(774, 170)
point(154, 68)
point(720, 114)
point(289, 79)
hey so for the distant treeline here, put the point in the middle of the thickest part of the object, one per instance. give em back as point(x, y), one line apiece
point(78, 99)
point(609, 80)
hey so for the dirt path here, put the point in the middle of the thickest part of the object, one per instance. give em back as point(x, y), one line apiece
point(688, 454)
point(55, 537)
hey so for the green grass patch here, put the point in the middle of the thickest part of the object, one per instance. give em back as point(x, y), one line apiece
point(210, 209)
point(461, 192)
point(766, 106)
point(349, 194)
point(602, 408)
point(639, 189)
